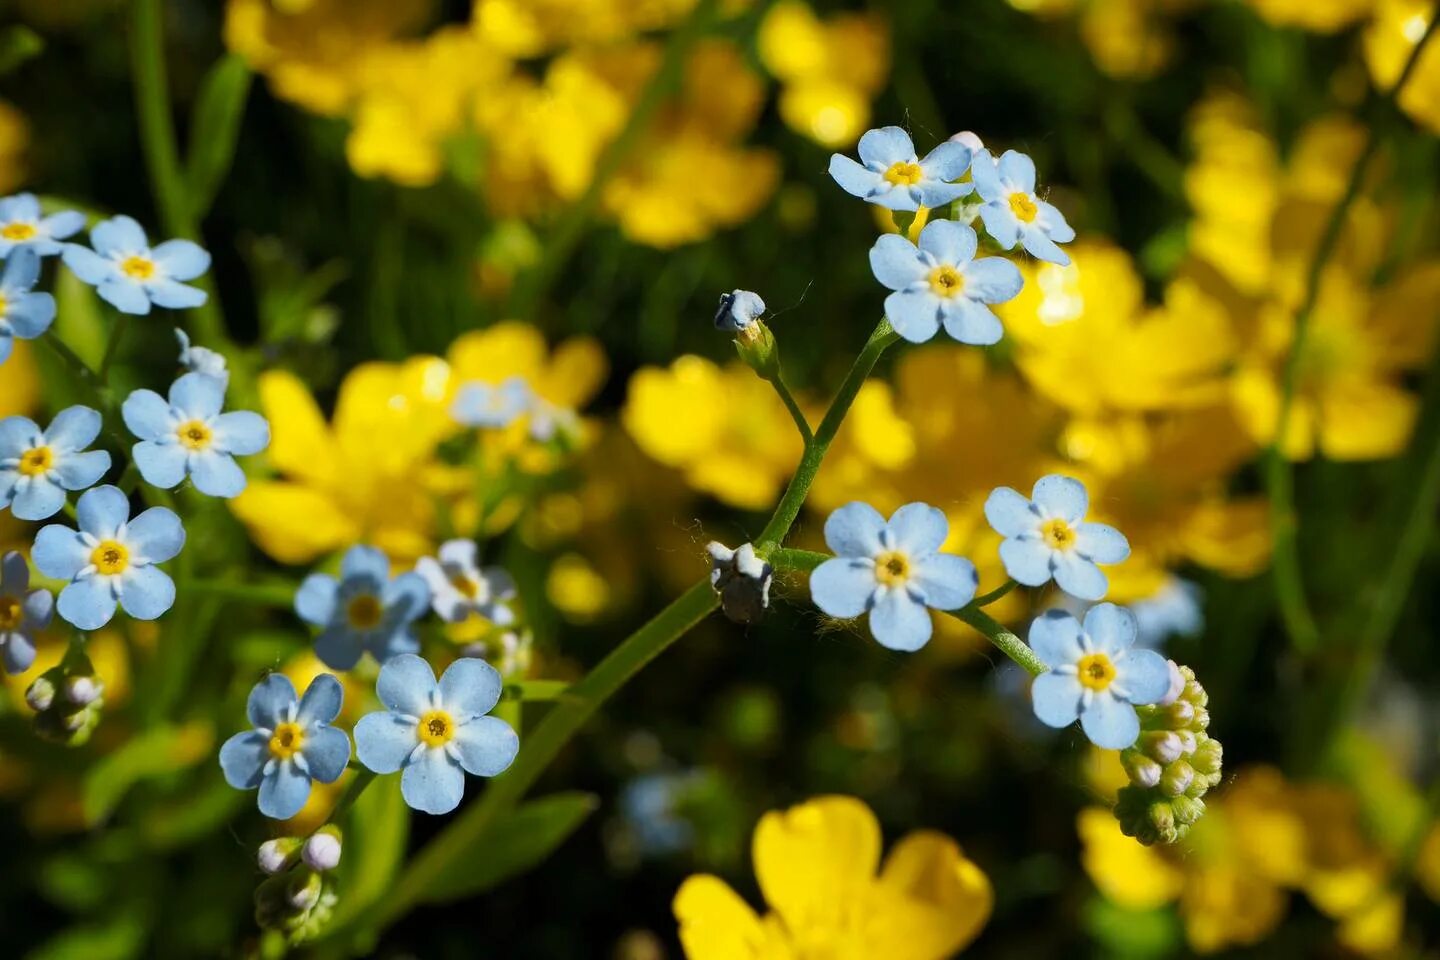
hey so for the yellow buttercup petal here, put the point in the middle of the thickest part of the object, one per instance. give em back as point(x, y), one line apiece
point(815, 860)
point(20, 385)
point(576, 372)
point(1129, 874)
point(508, 349)
point(294, 523)
point(1365, 420)
point(951, 896)
point(715, 924)
point(300, 440)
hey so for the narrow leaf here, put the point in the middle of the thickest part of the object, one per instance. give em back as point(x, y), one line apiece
point(215, 129)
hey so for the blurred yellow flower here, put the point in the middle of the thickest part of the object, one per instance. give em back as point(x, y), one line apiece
point(1126, 38)
point(816, 866)
point(830, 70)
point(20, 384)
point(1389, 40)
point(529, 28)
point(14, 141)
point(725, 428)
point(1321, 16)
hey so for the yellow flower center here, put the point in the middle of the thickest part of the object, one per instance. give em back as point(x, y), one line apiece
point(36, 461)
point(467, 586)
point(1023, 207)
point(18, 231)
point(110, 557)
point(1095, 671)
point(195, 434)
point(138, 268)
point(9, 613)
point(946, 281)
point(902, 173)
point(436, 728)
point(287, 740)
point(364, 612)
point(1058, 534)
point(4, 304)
point(892, 568)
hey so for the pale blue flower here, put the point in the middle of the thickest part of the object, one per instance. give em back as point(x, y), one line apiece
point(436, 732)
point(364, 610)
point(23, 228)
point(202, 359)
point(1095, 675)
point(291, 745)
point(651, 807)
point(1175, 609)
point(127, 273)
point(1012, 212)
point(23, 313)
point(37, 467)
point(893, 570)
point(738, 310)
point(1045, 537)
point(489, 405)
point(111, 560)
point(889, 173)
point(23, 612)
point(189, 436)
point(459, 587)
point(941, 282)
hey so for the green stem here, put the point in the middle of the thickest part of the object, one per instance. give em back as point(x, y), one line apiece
point(1279, 477)
point(357, 785)
point(796, 413)
point(72, 360)
point(112, 346)
point(265, 594)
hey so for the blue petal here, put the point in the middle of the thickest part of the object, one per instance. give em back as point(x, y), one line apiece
point(88, 604)
point(1054, 222)
point(31, 315)
point(78, 471)
point(322, 701)
point(486, 746)
point(1055, 636)
point(181, 259)
point(985, 177)
point(934, 193)
point(119, 235)
point(174, 296)
point(89, 266)
point(405, 598)
point(59, 552)
point(384, 741)
point(243, 758)
point(896, 262)
point(1027, 561)
point(270, 701)
point(915, 314)
point(338, 648)
point(972, 323)
point(73, 428)
point(14, 575)
point(843, 587)
point(948, 581)
point(147, 592)
point(284, 791)
point(992, 280)
point(38, 607)
point(162, 465)
point(1101, 543)
point(916, 529)
point(124, 295)
point(854, 530)
point(17, 653)
point(384, 647)
point(217, 474)
point(900, 622)
point(406, 685)
point(157, 535)
point(948, 241)
point(7, 344)
point(18, 434)
point(196, 395)
point(852, 177)
point(1110, 722)
point(894, 197)
point(147, 415)
point(1080, 577)
point(1001, 224)
point(1041, 247)
point(242, 432)
point(40, 500)
point(101, 511)
point(365, 562)
point(326, 751)
point(1017, 170)
point(948, 161)
point(63, 224)
point(1061, 496)
point(884, 146)
point(21, 271)
point(1144, 674)
point(21, 206)
point(1056, 699)
point(1111, 629)
point(315, 600)
point(433, 783)
point(470, 687)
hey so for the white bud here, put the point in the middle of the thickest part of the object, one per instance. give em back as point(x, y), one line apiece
point(276, 855)
point(322, 851)
point(970, 139)
point(82, 690)
point(40, 695)
point(1177, 686)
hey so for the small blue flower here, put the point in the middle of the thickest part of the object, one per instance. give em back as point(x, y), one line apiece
point(1176, 608)
point(364, 610)
point(650, 805)
point(23, 228)
point(458, 587)
point(480, 404)
point(1094, 674)
point(1012, 212)
point(893, 570)
point(127, 273)
point(738, 310)
point(189, 436)
point(111, 560)
point(291, 745)
point(890, 175)
point(1045, 537)
point(436, 732)
point(37, 467)
point(23, 313)
point(941, 282)
point(202, 359)
point(22, 612)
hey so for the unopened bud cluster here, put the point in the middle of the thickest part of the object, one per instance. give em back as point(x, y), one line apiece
point(67, 700)
point(1171, 766)
point(298, 897)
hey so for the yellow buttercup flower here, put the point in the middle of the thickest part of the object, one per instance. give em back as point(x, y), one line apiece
point(816, 864)
point(1389, 40)
point(529, 28)
point(1321, 16)
point(20, 386)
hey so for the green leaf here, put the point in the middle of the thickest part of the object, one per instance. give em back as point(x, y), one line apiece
point(152, 754)
point(516, 843)
point(375, 836)
point(18, 44)
point(1132, 934)
point(214, 131)
point(119, 937)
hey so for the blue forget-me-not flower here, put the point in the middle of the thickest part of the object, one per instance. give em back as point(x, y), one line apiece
point(489, 405)
point(127, 273)
point(436, 732)
point(291, 745)
point(201, 359)
point(111, 559)
point(188, 435)
point(1012, 212)
point(459, 587)
point(23, 312)
point(889, 173)
point(22, 612)
point(38, 466)
point(940, 282)
point(1095, 675)
point(738, 311)
point(23, 228)
point(1045, 537)
point(893, 570)
point(364, 610)
point(1176, 608)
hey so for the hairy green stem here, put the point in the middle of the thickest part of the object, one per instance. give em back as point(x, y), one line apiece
point(357, 785)
point(796, 413)
point(112, 346)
